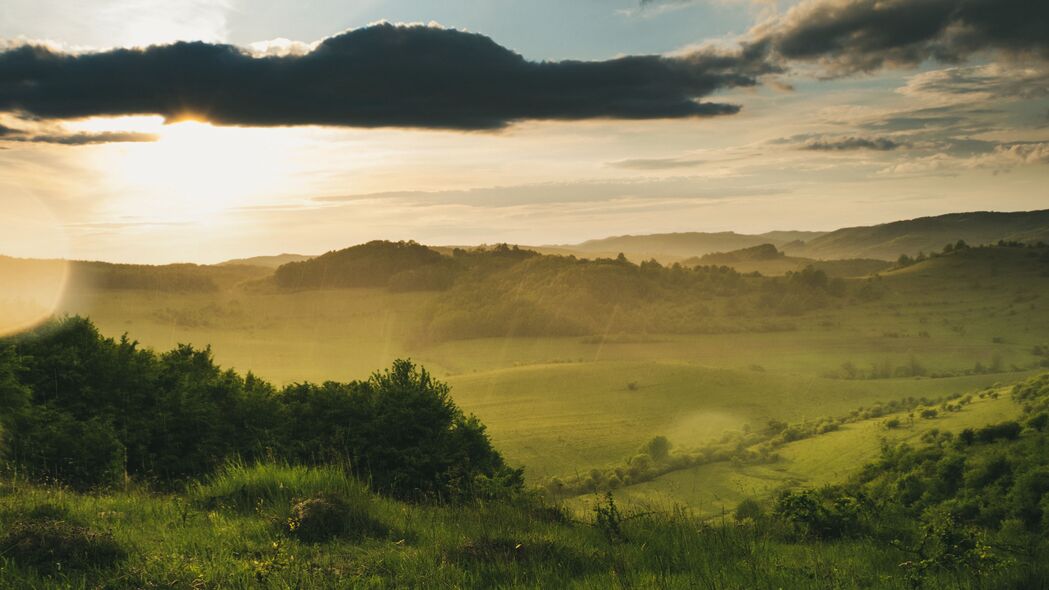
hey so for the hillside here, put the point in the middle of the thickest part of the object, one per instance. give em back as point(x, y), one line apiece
point(266, 261)
point(958, 497)
point(888, 241)
point(769, 260)
point(675, 246)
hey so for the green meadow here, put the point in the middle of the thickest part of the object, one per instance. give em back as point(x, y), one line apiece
point(676, 427)
point(561, 405)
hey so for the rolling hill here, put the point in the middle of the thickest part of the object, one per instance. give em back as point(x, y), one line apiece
point(675, 246)
point(769, 260)
point(273, 261)
point(888, 241)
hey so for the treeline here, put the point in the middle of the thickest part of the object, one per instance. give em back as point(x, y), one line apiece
point(90, 412)
point(565, 296)
point(173, 278)
point(504, 290)
point(960, 246)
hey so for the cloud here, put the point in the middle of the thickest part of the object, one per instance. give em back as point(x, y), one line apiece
point(1002, 158)
point(656, 163)
point(594, 192)
point(839, 144)
point(383, 75)
point(980, 83)
point(849, 36)
point(75, 139)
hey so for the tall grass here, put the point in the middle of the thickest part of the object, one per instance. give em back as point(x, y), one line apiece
point(246, 488)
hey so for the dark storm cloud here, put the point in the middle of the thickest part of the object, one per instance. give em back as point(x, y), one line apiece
point(862, 35)
point(841, 144)
point(382, 75)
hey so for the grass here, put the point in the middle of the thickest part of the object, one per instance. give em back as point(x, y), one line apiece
point(172, 542)
point(717, 488)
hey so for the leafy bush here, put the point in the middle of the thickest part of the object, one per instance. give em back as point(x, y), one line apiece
point(86, 410)
point(829, 515)
point(748, 509)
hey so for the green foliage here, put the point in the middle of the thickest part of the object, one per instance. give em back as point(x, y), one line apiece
point(748, 509)
point(823, 515)
point(99, 409)
point(608, 519)
point(944, 546)
point(400, 430)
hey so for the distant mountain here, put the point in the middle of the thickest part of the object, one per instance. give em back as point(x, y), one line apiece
point(676, 246)
point(266, 261)
point(926, 234)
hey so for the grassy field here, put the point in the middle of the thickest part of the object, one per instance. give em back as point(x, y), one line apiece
point(558, 406)
point(829, 458)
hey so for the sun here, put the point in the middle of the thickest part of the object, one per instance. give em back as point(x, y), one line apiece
point(194, 171)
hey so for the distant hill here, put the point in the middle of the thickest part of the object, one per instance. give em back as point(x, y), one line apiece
point(751, 254)
point(172, 278)
point(266, 261)
point(926, 234)
point(676, 246)
point(398, 265)
point(769, 260)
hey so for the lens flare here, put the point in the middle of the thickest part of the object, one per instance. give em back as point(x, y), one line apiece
point(33, 265)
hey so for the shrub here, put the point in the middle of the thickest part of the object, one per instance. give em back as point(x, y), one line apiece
point(748, 509)
point(608, 519)
point(808, 515)
point(1039, 422)
point(325, 517)
point(52, 445)
point(658, 448)
point(46, 539)
point(1006, 430)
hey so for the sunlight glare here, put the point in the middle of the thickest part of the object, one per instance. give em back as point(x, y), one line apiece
point(30, 290)
point(196, 172)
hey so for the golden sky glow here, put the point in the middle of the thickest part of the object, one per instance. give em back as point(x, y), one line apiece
point(803, 153)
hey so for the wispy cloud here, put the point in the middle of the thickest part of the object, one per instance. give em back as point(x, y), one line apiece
point(656, 163)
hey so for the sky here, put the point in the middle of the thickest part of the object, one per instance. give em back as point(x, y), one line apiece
point(157, 131)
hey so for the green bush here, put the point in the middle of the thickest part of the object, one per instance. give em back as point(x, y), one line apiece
point(86, 411)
